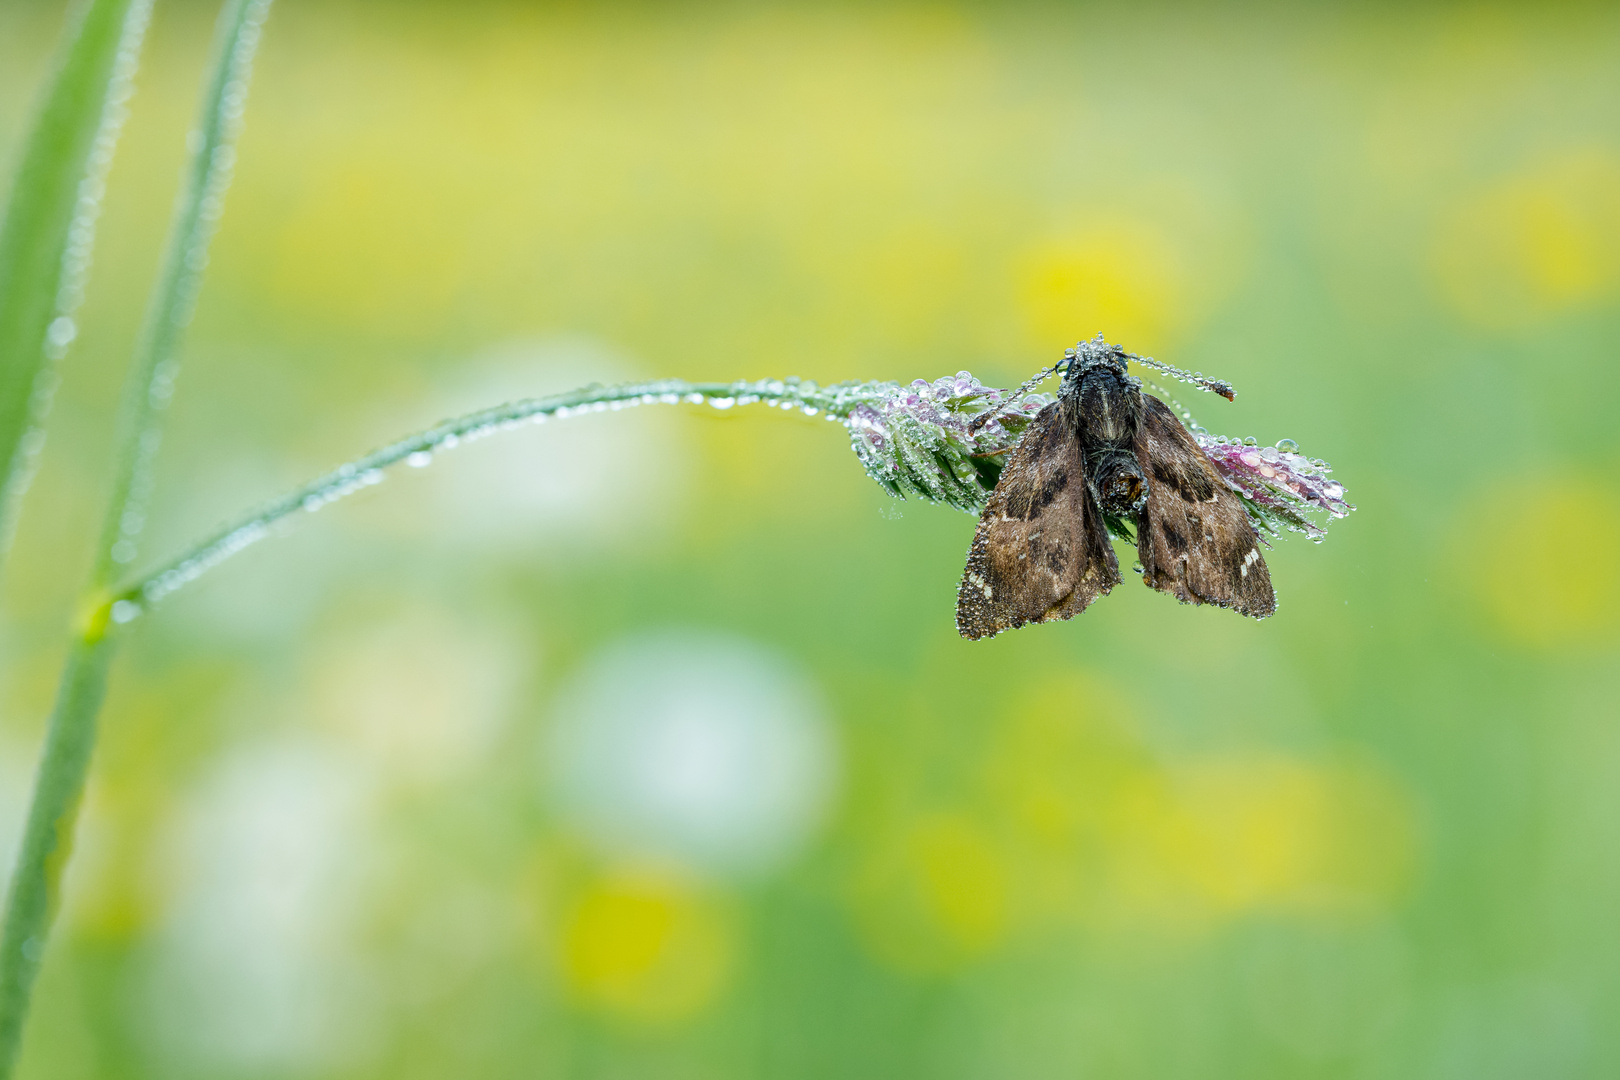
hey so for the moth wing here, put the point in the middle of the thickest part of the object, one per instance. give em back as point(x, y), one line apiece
point(1194, 538)
point(1041, 551)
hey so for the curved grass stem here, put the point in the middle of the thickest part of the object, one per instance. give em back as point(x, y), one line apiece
point(131, 600)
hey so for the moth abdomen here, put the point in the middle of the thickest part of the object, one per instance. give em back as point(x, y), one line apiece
point(1118, 482)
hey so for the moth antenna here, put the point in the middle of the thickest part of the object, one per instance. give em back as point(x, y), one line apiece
point(1197, 378)
point(1031, 383)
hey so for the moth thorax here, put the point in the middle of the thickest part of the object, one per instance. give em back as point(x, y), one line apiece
point(1119, 484)
point(1108, 409)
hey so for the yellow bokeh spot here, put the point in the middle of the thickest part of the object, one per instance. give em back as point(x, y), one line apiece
point(1058, 769)
point(1104, 827)
point(647, 948)
point(1239, 833)
point(962, 881)
point(1077, 822)
point(1534, 245)
point(1124, 280)
point(934, 897)
point(1541, 558)
point(1254, 833)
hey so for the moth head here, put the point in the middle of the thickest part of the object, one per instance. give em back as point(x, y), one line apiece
point(1088, 356)
point(1096, 354)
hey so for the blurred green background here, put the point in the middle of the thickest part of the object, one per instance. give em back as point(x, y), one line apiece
point(642, 745)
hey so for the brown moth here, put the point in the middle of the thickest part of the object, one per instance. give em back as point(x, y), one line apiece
point(1106, 453)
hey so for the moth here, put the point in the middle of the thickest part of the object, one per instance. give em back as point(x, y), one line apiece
point(1103, 455)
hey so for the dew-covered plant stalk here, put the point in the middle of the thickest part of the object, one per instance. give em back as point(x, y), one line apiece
point(70, 737)
point(49, 223)
point(943, 441)
point(915, 441)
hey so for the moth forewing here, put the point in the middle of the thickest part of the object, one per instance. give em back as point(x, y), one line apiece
point(1041, 550)
point(1194, 538)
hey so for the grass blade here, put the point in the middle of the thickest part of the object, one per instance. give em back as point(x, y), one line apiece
point(50, 219)
point(70, 740)
point(150, 382)
point(48, 835)
point(133, 599)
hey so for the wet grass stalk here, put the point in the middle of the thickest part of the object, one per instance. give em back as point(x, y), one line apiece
point(942, 442)
point(934, 464)
point(70, 737)
point(49, 223)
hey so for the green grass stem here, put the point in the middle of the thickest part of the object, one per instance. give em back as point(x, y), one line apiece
point(50, 219)
point(150, 382)
point(133, 599)
point(70, 739)
point(36, 885)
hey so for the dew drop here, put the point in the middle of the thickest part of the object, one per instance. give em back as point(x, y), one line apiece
point(1251, 441)
point(722, 402)
point(61, 332)
point(1287, 446)
point(419, 460)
